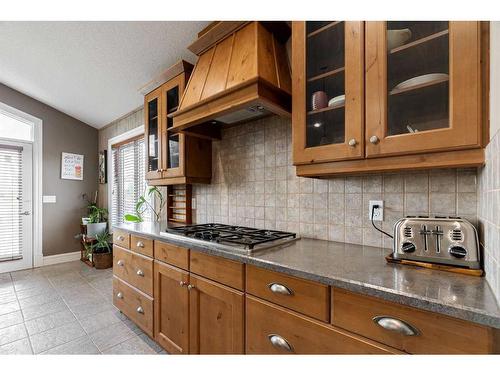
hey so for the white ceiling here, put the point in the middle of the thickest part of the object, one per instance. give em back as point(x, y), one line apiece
point(91, 70)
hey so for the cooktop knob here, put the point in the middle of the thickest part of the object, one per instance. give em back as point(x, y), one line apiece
point(458, 251)
point(408, 247)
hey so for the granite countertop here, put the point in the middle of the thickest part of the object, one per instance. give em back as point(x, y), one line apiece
point(363, 269)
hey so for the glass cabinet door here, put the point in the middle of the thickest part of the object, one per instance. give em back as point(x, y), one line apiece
point(327, 90)
point(174, 142)
point(420, 85)
point(152, 135)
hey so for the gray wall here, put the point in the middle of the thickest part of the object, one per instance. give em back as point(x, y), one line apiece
point(61, 220)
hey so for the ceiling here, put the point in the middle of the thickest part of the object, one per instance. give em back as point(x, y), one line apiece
point(91, 70)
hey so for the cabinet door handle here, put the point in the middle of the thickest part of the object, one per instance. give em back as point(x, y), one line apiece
point(191, 287)
point(352, 142)
point(140, 310)
point(374, 139)
point(140, 273)
point(396, 325)
point(280, 342)
point(183, 283)
point(140, 244)
point(120, 263)
point(280, 289)
point(120, 238)
point(119, 295)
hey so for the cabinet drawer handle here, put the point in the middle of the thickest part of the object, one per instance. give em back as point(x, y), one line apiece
point(120, 238)
point(396, 325)
point(280, 289)
point(120, 263)
point(279, 342)
point(140, 244)
point(140, 273)
point(183, 283)
point(140, 310)
point(191, 287)
point(119, 295)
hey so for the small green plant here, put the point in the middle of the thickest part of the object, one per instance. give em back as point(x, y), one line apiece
point(143, 204)
point(102, 243)
point(97, 214)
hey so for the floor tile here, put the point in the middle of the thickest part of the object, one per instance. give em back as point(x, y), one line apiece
point(48, 322)
point(133, 345)
point(82, 345)
point(150, 342)
point(41, 283)
point(9, 307)
point(8, 296)
point(111, 336)
point(134, 327)
point(98, 321)
point(7, 320)
point(56, 336)
point(34, 312)
point(36, 291)
point(40, 299)
point(12, 333)
point(83, 311)
point(17, 347)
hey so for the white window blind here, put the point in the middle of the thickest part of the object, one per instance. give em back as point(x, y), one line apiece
point(11, 200)
point(128, 179)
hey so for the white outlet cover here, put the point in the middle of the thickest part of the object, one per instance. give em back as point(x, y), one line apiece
point(378, 214)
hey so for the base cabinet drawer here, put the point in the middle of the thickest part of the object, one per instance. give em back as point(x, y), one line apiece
point(304, 296)
point(224, 271)
point(136, 305)
point(141, 245)
point(271, 329)
point(174, 255)
point(121, 238)
point(408, 329)
point(135, 269)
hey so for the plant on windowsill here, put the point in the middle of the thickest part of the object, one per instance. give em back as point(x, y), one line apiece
point(151, 194)
point(100, 251)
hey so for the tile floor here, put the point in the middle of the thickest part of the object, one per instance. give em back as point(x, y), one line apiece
point(65, 309)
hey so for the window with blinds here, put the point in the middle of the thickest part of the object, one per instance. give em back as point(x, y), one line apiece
point(11, 200)
point(128, 179)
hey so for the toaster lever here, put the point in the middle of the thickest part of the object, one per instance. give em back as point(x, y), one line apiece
point(425, 232)
point(438, 233)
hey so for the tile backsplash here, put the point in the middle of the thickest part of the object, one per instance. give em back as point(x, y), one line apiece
point(254, 184)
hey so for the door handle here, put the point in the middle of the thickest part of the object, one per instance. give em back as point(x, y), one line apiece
point(25, 213)
point(280, 342)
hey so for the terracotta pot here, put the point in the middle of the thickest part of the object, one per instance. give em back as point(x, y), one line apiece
point(102, 260)
point(319, 100)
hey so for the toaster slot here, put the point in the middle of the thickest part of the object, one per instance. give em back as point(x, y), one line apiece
point(425, 233)
point(438, 232)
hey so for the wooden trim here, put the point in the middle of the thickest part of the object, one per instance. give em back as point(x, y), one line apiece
point(179, 181)
point(180, 67)
point(214, 33)
point(124, 142)
point(156, 94)
point(485, 82)
point(450, 159)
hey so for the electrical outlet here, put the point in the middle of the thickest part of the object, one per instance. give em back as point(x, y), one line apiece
point(378, 213)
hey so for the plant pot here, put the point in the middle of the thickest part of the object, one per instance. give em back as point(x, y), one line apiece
point(95, 229)
point(102, 260)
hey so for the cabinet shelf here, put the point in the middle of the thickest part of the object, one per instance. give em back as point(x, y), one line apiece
point(417, 87)
point(327, 74)
point(324, 28)
point(419, 42)
point(326, 109)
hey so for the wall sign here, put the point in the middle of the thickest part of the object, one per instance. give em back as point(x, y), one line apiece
point(71, 166)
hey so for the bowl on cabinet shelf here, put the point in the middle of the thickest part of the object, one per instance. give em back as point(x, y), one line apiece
point(396, 38)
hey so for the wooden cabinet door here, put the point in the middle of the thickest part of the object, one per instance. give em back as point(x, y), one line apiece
point(327, 59)
point(435, 112)
point(173, 143)
point(216, 318)
point(171, 305)
point(152, 134)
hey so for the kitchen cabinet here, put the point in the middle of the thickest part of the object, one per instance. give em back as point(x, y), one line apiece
point(415, 102)
point(171, 314)
point(172, 157)
point(216, 323)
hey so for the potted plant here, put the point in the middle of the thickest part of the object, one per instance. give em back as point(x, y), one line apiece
point(143, 204)
point(97, 220)
point(100, 251)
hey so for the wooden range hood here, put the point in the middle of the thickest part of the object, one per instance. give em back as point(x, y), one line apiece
point(242, 73)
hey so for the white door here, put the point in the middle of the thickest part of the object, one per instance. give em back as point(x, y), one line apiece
point(16, 201)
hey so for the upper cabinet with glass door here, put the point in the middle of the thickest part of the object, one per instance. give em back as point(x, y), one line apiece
point(327, 90)
point(423, 86)
point(411, 88)
point(171, 157)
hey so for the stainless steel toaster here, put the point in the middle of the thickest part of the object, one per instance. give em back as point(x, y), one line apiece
point(442, 240)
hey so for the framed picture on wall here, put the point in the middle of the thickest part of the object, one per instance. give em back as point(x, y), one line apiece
point(71, 166)
point(103, 167)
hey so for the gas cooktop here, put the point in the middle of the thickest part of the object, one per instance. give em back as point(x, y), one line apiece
point(233, 236)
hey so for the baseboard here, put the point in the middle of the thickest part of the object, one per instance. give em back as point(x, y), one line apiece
point(61, 258)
